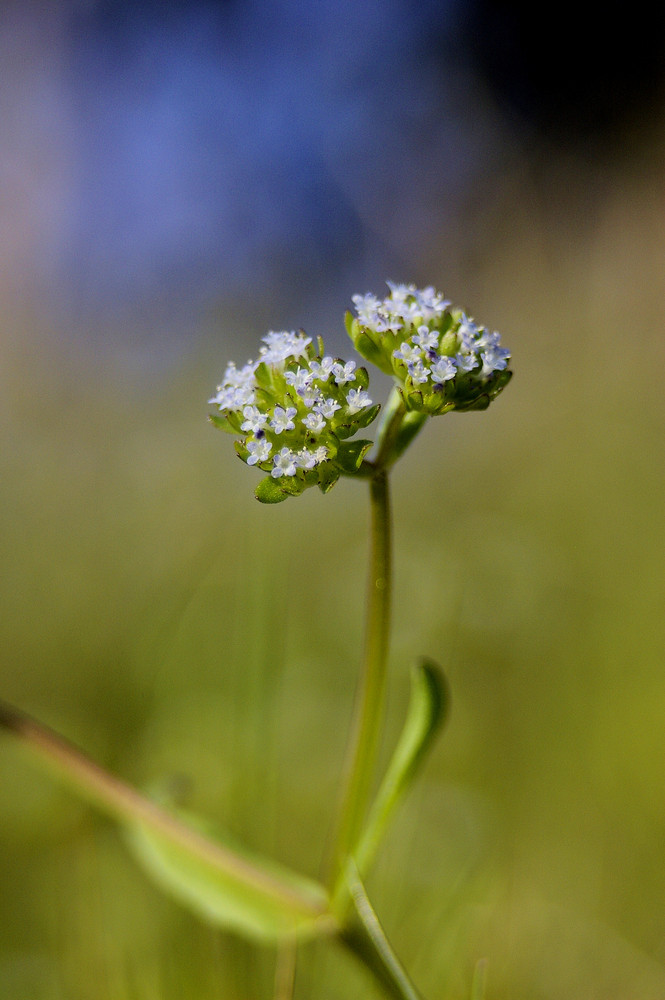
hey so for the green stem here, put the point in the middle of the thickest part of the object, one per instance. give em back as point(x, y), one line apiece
point(393, 418)
point(399, 427)
point(371, 694)
point(365, 937)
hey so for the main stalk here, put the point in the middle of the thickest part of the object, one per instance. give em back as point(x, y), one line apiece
point(370, 696)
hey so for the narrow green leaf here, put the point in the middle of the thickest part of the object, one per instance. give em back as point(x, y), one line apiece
point(427, 708)
point(221, 897)
point(228, 886)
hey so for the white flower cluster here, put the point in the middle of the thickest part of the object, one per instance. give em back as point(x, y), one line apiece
point(426, 350)
point(441, 359)
point(405, 306)
point(292, 407)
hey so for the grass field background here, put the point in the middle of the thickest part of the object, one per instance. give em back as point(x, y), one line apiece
point(154, 613)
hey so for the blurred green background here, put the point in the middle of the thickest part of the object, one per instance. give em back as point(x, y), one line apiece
point(158, 616)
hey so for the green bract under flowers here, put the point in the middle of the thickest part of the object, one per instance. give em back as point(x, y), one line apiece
point(441, 359)
point(293, 410)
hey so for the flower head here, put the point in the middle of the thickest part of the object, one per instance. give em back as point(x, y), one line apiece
point(292, 412)
point(440, 358)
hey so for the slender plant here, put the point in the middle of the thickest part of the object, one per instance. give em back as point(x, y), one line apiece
point(295, 413)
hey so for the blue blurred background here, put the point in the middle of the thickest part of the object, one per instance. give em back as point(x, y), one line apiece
point(163, 158)
point(159, 160)
point(177, 178)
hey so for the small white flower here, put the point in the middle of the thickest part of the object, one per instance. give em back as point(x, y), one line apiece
point(432, 302)
point(314, 422)
point(299, 379)
point(466, 362)
point(239, 376)
point(224, 398)
point(418, 372)
point(286, 462)
point(254, 419)
point(427, 339)
point(494, 360)
point(487, 340)
point(443, 369)
point(378, 316)
point(244, 396)
point(357, 399)
point(322, 369)
point(390, 322)
point(327, 408)
point(236, 388)
point(344, 373)
point(467, 333)
point(320, 454)
point(259, 451)
point(408, 353)
point(310, 396)
point(283, 345)
point(306, 459)
point(409, 311)
point(282, 419)
point(399, 293)
point(367, 307)
point(231, 397)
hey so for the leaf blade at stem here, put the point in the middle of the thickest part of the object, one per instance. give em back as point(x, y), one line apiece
point(265, 901)
point(427, 709)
